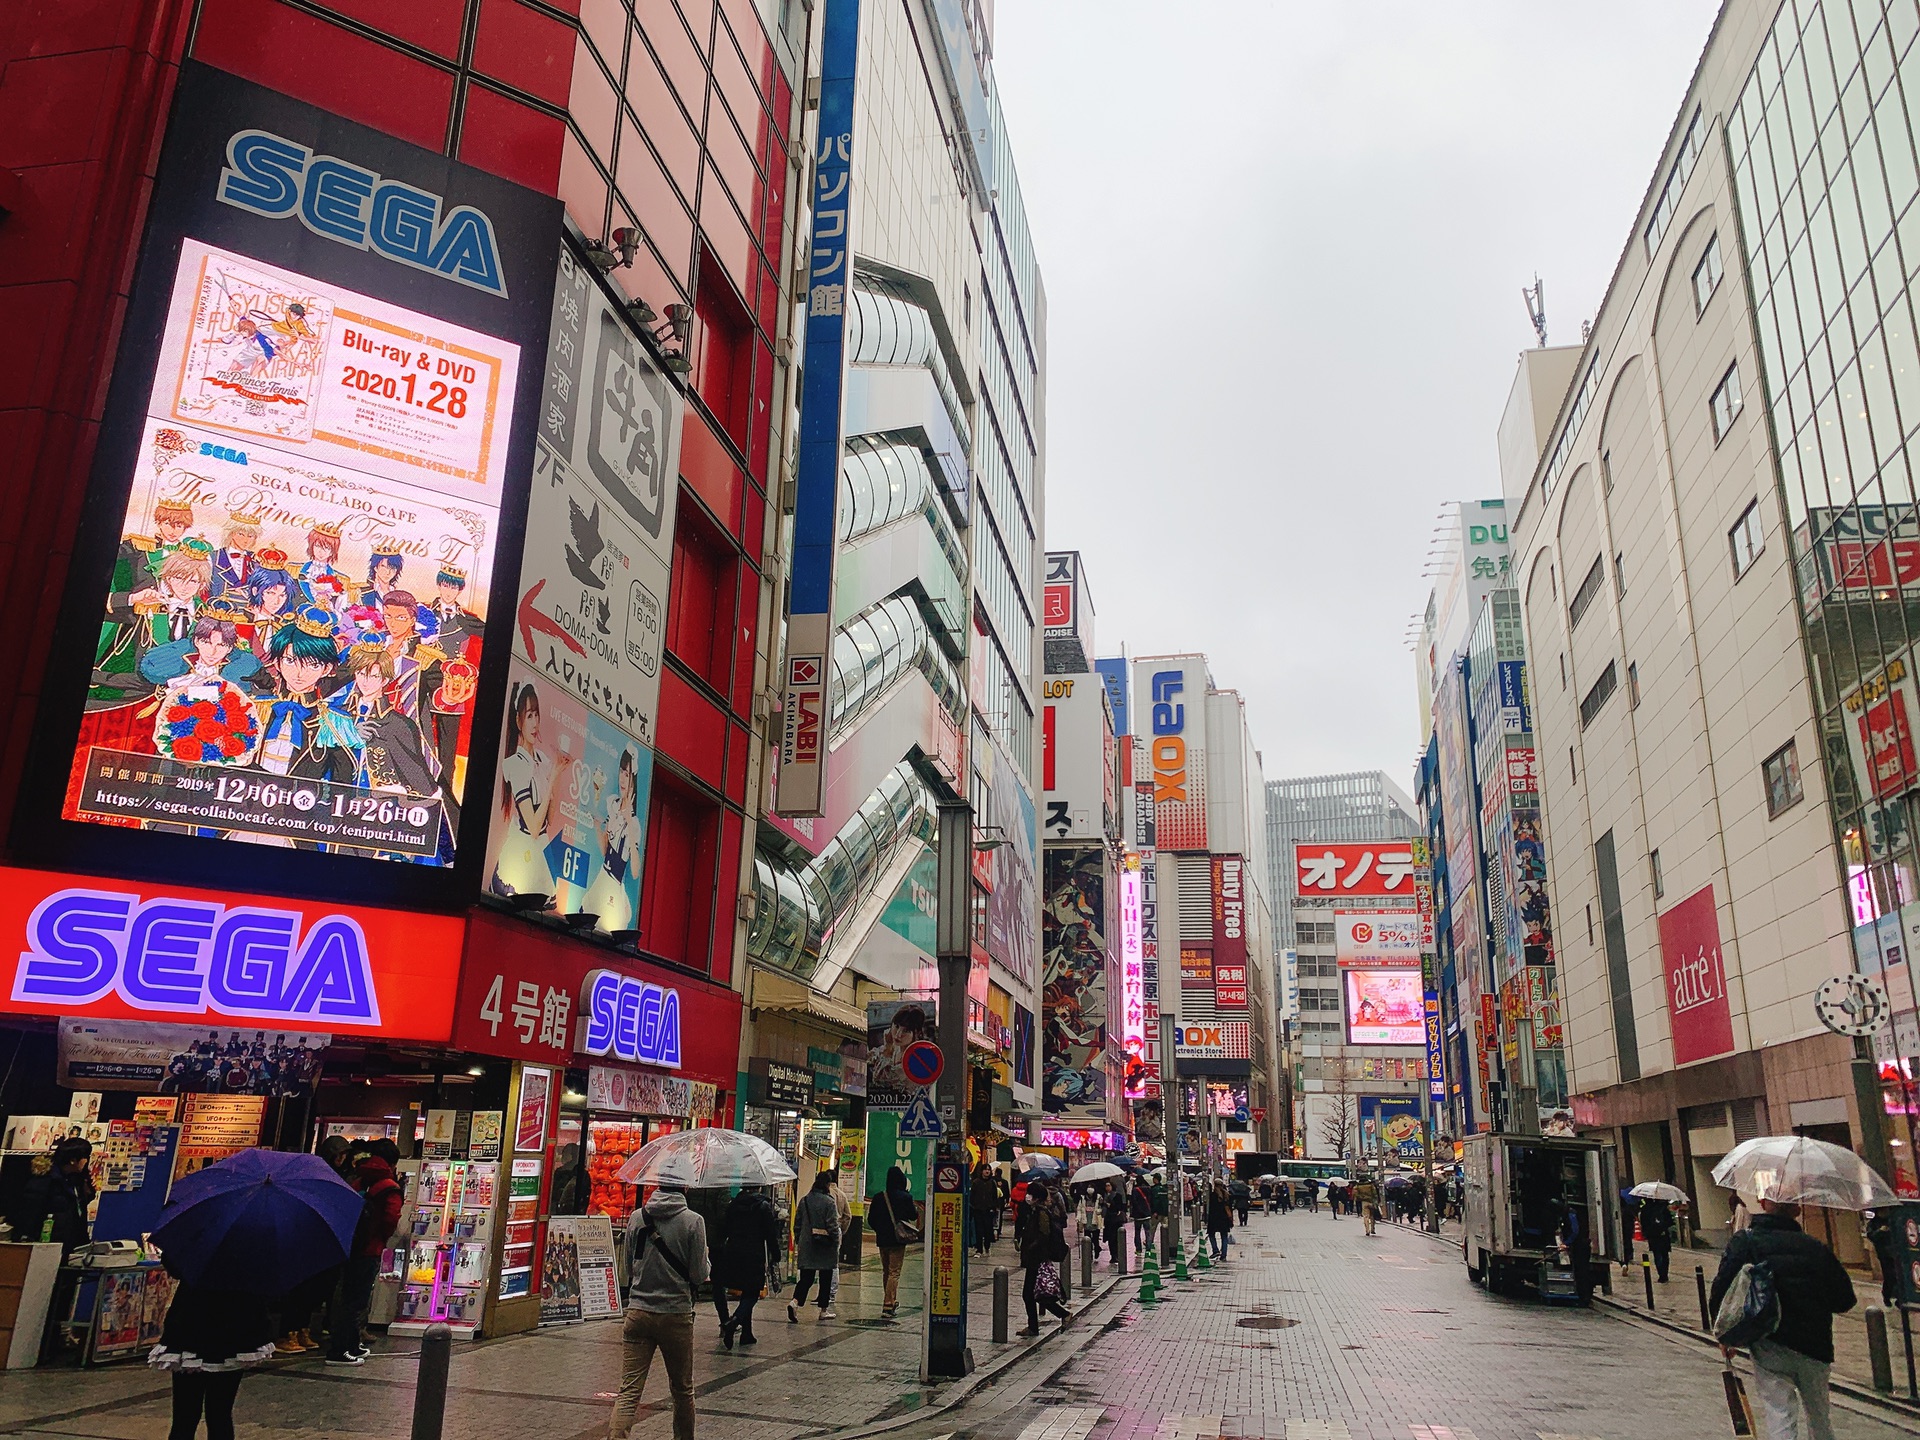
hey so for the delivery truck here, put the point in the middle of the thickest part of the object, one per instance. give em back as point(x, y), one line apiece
point(1518, 1192)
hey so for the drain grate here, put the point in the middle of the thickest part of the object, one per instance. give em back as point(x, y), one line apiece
point(1266, 1322)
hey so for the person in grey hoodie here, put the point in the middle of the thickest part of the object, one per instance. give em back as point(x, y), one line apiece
point(666, 1265)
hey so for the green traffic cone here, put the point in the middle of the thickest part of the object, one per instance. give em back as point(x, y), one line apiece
point(1200, 1260)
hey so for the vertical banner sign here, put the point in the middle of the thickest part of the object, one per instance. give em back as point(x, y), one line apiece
point(1150, 972)
point(1229, 933)
point(804, 718)
point(1698, 1011)
point(946, 1313)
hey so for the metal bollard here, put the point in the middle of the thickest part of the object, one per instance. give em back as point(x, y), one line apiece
point(1700, 1284)
point(430, 1384)
point(1876, 1319)
point(1606, 1281)
point(1000, 1304)
point(1120, 1252)
point(1086, 1263)
point(1646, 1273)
point(1066, 1278)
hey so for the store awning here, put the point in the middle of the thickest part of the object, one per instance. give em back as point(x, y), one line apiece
point(776, 992)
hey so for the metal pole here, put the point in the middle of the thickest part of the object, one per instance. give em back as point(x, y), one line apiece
point(430, 1386)
point(1000, 1289)
point(1906, 1336)
point(1882, 1363)
point(945, 1336)
point(1086, 1263)
point(1646, 1273)
point(1700, 1284)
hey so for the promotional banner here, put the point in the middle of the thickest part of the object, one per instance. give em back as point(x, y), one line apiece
point(893, 1025)
point(1377, 868)
point(1385, 1007)
point(1376, 939)
point(181, 1060)
point(1390, 1125)
point(1881, 714)
point(1074, 1034)
point(1229, 933)
point(1133, 1008)
point(1697, 1007)
point(1013, 903)
point(1172, 692)
point(306, 452)
point(86, 948)
point(1073, 761)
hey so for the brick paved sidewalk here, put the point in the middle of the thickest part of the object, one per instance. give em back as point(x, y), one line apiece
point(800, 1380)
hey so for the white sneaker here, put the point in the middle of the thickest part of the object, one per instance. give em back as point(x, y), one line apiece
point(827, 1312)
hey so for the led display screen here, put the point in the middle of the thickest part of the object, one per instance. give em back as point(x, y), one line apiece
point(1385, 1007)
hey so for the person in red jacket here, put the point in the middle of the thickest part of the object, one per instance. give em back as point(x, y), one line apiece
point(379, 1218)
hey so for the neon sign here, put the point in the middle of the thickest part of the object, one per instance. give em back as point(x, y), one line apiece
point(631, 1019)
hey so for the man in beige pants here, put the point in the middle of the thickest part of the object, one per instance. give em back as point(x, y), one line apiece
point(666, 1265)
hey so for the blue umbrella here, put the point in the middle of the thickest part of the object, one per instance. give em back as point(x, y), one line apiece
point(261, 1220)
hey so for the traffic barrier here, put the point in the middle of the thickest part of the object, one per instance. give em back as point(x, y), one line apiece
point(1000, 1301)
point(1086, 1263)
point(430, 1384)
point(1179, 1253)
point(1646, 1273)
point(1876, 1319)
point(1150, 1279)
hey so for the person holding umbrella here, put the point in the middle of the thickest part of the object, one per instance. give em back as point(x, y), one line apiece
point(252, 1225)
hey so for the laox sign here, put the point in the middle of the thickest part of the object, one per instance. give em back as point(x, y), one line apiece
point(631, 1019)
point(1169, 748)
point(187, 957)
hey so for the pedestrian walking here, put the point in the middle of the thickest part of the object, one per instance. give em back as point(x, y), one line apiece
point(1113, 1219)
point(895, 1219)
point(212, 1337)
point(1006, 1201)
point(1574, 1235)
point(984, 1203)
point(748, 1252)
point(1313, 1195)
point(1140, 1209)
point(1812, 1287)
point(379, 1218)
point(1367, 1196)
point(816, 1228)
point(667, 1264)
point(1219, 1219)
point(1880, 1236)
point(1241, 1196)
point(1657, 1229)
point(1043, 1249)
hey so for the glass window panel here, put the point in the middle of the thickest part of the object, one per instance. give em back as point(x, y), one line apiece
point(1767, 66)
point(1883, 417)
point(1793, 83)
point(1886, 272)
point(1903, 22)
point(1855, 104)
point(1876, 216)
point(1813, 53)
point(1847, 227)
point(1833, 450)
point(1825, 250)
point(1833, 146)
point(1761, 159)
point(1878, 62)
point(1853, 419)
point(1903, 363)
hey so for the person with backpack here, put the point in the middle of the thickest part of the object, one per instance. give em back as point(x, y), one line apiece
point(380, 1204)
point(666, 1265)
point(1792, 1355)
point(1043, 1250)
point(896, 1220)
point(749, 1251)
point(816, 1227)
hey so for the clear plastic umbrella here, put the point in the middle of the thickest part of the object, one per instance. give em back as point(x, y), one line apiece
point(1794, 1170)
point(705, 1159)
point(1659, 1190)
point(1096, 1170)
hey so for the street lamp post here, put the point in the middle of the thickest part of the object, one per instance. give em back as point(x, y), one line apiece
point(945, 1352)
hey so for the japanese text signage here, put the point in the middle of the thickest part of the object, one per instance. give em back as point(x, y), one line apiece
point(1372, 939)
point(93, 948)
point(1371, 868)
point(307, 450)
point(804, 720)
point(1133, 1014)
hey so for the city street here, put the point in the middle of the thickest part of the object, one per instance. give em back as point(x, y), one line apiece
point(1311, 1332)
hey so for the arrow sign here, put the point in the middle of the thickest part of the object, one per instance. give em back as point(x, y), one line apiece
point(921, 1062)
point(531, 620)
point(921, 1121)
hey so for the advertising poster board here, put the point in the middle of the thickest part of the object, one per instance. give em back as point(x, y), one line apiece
point(1074, 1031)
point(893, 1025)
point(178, 1060)
point(1229, 933)
point(577, 1278)
point(1376, 939)
point(1385, 1007)
point(1697, 1005)
point(275, 626)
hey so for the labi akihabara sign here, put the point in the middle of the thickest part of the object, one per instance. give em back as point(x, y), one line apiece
point(308, 455)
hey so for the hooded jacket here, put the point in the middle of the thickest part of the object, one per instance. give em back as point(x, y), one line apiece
point(379, 1209)
point(891, 1211)
point(662, 1232)
point(750, 1249)
point(1812, 1284)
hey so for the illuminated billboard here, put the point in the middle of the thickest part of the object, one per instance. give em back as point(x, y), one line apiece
point(1376, 939)
point(1385, 1007)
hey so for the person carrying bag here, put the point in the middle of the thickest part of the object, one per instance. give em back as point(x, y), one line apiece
point(895, 1219)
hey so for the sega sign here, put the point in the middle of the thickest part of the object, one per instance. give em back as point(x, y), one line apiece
point(280, 178)
point(96, 949)
point(628, 1018)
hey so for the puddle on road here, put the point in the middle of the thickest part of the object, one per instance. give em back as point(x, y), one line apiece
point(1266, 1322)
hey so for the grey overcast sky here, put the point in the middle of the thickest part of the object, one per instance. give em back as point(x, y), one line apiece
point(1283, 246)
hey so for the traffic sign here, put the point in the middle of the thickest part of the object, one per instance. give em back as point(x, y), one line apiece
point(922, 1062)
point(921, 1121)
point(1240, 1113)
point(1259, 1115)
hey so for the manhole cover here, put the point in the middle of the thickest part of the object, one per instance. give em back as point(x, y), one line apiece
point(1266, 1322)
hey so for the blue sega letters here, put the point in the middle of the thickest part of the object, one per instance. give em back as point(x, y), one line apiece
point(275, 177)
point(173, 955)
point(632, 1019)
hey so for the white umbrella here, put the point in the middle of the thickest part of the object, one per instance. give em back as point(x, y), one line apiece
point(705, 1159)
point(1659, 1190)
point(1096, 1170)
point(1794, 1170)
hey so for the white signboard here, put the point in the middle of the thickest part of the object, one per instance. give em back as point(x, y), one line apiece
point(1371, 939)
point(1073, 757)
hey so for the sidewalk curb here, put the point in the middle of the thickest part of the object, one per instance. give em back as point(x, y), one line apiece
point(1085, 1326)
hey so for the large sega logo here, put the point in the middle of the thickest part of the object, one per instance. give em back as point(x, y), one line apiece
point(631, 1019)
point(177, 956)
point(275, 177)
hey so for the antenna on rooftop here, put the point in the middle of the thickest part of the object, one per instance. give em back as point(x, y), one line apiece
point(1536, 299)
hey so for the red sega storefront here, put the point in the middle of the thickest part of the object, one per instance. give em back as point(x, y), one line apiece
point(222, 1015)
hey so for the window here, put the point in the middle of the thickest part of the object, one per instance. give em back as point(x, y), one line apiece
point(1563, 669)
point(1596, 698)
point(1589, 922)
point(1572, 769)
point(1606, 470)
point(1583, 597)
point(1781, 771)
point(1659, 880)
point(1620, 574)
point(702, 596)
point(1746, 539)
point(1668, 204)
point(1633, 686)
point(1726, 403)
point(1706, 276)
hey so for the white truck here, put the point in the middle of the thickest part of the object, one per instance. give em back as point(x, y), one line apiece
point(1518, 1191)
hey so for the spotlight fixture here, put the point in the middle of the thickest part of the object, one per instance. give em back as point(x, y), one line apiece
point(627, 241)
point(641, 312)
point(603, 259)
point(529, 902)
point(988, 837)
point(582, 920)
point(629, 938)
point(477, 1071)
point(673, 332)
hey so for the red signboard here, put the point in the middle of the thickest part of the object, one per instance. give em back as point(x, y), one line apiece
point(1697, 1008)
point(1375, 867)
point(1229, 932)
point(124, 950)
point(1056, 606)
point(519, 997)
point(1886, 734)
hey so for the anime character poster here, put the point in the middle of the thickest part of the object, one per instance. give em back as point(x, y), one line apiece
point(290, 634)
point(1075, 942)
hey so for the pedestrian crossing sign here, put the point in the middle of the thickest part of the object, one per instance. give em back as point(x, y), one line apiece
point(921, 1121)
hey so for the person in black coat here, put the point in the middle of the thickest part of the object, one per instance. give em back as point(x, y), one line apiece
point(1219, 1219)
point(1043, 1238)
point(1113, 1220)
point(211, 1339)
point(1813, 1287)
point(748, 1252)
point(52, 1206)
point(1657, 1229)
point(984, 1204)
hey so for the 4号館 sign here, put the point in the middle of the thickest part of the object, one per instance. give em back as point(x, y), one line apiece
point(83, 946)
